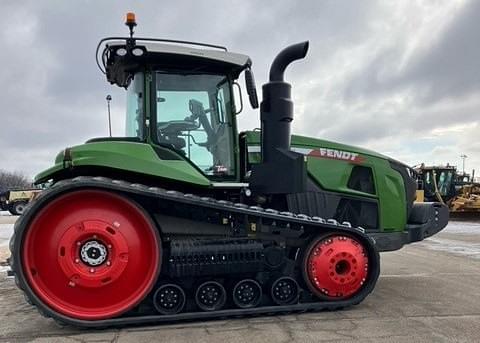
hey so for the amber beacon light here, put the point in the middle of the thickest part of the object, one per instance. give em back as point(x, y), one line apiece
point(130, 19)
point(130, 22)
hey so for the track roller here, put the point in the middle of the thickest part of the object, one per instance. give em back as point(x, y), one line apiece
point(210, 296)
point(284, 291)
point(335, 266)
point(247, 293)
point(169, 299)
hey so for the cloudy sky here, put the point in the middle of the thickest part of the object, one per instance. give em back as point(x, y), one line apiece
point(399, 77)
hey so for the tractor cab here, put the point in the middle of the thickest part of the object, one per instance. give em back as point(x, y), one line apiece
point(437, 182)
point(180, 97)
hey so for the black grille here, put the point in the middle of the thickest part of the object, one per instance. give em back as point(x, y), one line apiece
point(361, 179)
point(207, 257)
point(358, 211)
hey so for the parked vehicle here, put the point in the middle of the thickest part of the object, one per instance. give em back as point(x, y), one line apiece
point(15, 201)
point(187, 218)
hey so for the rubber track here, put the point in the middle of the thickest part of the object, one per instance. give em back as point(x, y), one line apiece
point(83, 182)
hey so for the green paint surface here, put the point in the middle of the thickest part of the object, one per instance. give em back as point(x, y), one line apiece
point(128, 156)
point(333, 175)
point(329, 174)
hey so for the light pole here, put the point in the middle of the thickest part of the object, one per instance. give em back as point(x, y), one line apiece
point(463, 157)
point(109, 98)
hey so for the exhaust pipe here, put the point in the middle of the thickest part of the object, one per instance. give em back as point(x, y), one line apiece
point(281, 170)
point(285, 57)
point(276, 110)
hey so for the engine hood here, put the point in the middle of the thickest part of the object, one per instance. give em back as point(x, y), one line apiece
point(311, 146)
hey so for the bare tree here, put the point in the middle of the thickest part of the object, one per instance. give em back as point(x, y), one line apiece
point(13, 180)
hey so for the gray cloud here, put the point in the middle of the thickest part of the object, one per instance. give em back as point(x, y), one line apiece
point(364, 81)
point(449, 68)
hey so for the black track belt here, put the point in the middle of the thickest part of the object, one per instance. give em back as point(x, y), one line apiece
point(290, 223)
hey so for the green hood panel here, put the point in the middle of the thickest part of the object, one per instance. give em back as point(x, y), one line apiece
point(128, 156)
point(333, 169)
point(253, 137)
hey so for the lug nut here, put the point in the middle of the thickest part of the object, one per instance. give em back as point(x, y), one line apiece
point(77, 260)
point(109, 263)
point(92, 270)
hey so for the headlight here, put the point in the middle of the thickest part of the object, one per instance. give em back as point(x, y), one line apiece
point(137, 52)
point(121, 52)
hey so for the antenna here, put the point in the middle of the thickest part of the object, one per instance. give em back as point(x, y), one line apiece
point(463, 157)
point(109, 98)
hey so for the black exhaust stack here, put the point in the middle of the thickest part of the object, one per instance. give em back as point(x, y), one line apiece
point(281, 170)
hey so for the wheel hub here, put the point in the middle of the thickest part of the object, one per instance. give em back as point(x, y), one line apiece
point(169, 299)
point(209, 295)
point(20, 208)
point(283, 290)
point(93, 253)
point(336, 267)
point(245, 293)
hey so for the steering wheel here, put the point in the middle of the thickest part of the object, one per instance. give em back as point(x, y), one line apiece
point(176, 126)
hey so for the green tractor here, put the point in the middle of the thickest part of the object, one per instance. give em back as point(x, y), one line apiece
point(186, 218)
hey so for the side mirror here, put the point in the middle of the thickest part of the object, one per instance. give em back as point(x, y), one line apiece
point(251, 88)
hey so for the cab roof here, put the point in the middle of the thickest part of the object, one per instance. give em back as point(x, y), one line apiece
point(121, 62)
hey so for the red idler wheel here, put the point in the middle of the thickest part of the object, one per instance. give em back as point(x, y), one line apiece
point(335, 266)
point(91, 254)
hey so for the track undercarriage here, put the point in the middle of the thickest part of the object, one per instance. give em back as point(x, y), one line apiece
point(95, 252)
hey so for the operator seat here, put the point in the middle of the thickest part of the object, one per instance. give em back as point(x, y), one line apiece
point(177, 143)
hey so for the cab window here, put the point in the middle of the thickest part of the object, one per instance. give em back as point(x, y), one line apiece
point(194, 117)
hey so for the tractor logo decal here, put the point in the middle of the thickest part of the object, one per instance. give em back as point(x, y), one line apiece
point(333, 154)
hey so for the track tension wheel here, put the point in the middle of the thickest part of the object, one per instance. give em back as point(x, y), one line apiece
point(335, 266)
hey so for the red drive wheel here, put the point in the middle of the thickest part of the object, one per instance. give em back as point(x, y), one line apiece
point(335, 266)
point(91, 254)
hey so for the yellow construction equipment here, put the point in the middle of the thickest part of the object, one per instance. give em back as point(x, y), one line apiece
point(446, 185)
point(467, 200)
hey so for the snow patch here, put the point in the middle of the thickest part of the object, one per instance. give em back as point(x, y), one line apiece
point(457, 247)
point(463, 227)
point(452, 246)
point(6, 231)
